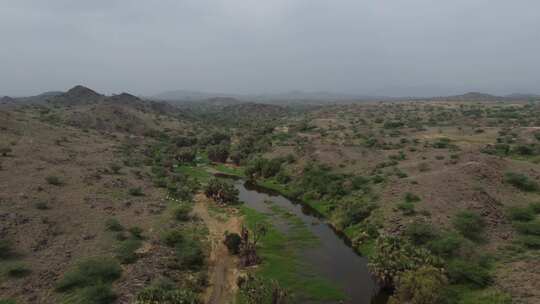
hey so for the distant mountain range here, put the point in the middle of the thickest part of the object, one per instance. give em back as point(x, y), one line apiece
point(322, 97)
point(186, 96)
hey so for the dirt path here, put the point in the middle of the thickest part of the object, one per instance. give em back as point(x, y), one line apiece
point(223, 271)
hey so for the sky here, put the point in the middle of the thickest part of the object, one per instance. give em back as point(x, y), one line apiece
point(368, 47)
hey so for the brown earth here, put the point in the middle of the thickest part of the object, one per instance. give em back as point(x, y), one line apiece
point(223, 267)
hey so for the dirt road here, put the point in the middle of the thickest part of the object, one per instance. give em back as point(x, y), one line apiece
point(223, 270)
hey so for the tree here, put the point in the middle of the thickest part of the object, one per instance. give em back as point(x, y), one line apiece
point(218, 153)
point(420, 286)
point(221, 192)
point(186, 155)
point(394, 256)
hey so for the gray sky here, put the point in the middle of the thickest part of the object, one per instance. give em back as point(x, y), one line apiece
point(386, 47)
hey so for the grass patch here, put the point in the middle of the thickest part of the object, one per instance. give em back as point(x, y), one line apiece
point(282, 262)
point(199, 173)
point(90, 281)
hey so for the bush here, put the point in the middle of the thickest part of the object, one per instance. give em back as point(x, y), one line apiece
point(530, 241)
point(221, 192)
point(113, 224)
point(100, 293)
point(115, 168)
point(532, 227)
point(165, 291)
point(18, 271)
point(521, 214)
point(125, 252)
point(6, 249)
point(446, 245)
point(136, 191)
point(406, 208)
point(53, 180)
point(411, 197)
point(182, 212)
point(89, 272)
point(421, 286)
point(7, 301)
point(535, 207)
point(189, 254)
point(394, 256)
point(173, 237)
point(469, 224)
point(136, 232)
point(218, 153)
point(41, 205)
point(233, 241)
point(468, 272)
point(420, 232)
point(521, 181)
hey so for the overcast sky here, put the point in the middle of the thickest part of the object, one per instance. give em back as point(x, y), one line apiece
point(385, 47)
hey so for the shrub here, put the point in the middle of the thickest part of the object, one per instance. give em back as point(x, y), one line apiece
point(233, 241)
point(125, 252)
point(189, 254)
point(521, 181)
point(113, 224)
point(218, 153)
point(469, 224)
point(411, 197)
point(535, 207)
point(136, 191)
point(165, 291)
point(532, 227)
point(530, 241)
point(7, 301)
point(172, 237)
point(182, 212)
point(18, 271)
point(6, 249)
point(468, 272)
point(4, 151)
point(521, 214)
point(421, 286)
point(53, 180)
point(221, 192)
point(394, 256)
point(136, 232)
point(406, 208)
point(446, 245)
point(100, 293)
point(41, 205)
point(89, 272)
point(420, 232)
point(115, 168)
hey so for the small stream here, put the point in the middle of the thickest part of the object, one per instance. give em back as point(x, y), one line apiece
point(333, 258)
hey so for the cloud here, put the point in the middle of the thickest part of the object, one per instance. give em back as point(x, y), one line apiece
point(386, 47)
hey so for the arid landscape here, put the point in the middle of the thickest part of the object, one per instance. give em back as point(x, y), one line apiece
point(113, 199)
point(269, 152)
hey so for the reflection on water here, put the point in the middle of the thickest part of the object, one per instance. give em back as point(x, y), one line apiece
point(334, 258)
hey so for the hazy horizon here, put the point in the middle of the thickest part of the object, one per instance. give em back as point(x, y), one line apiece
point(390, 48)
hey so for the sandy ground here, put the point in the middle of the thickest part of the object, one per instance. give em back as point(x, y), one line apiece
point(223, 267)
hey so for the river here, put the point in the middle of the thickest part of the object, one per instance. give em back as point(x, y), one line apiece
point(333, 258)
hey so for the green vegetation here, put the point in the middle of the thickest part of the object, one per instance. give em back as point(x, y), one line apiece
point(125, 251)
point(90, 280)
point(6, 249)
point(282, 263)
point(222, 192)
point(18, 270)
point(137, 191)
point(54, 180)
point(113, 224)
point(165, 291)
point(521, 181)
point(471, 225)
